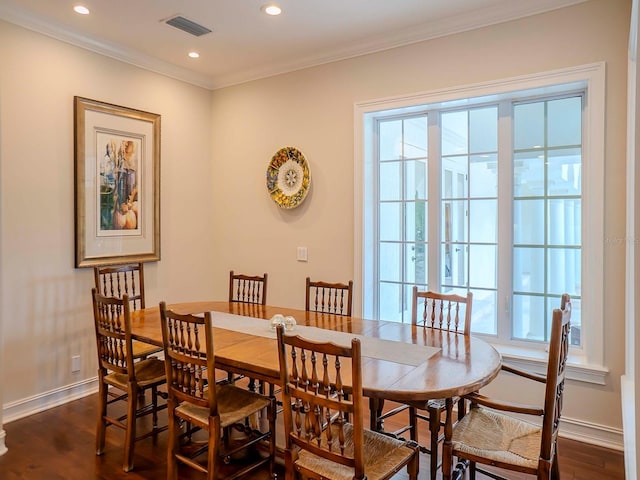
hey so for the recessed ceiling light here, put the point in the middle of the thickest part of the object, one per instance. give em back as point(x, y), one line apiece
point(81, 9)
point(272, 9)
point(194, 54)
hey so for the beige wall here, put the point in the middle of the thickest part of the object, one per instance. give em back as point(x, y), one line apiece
point(312, 109)
point(46, 308)
point(216, 213)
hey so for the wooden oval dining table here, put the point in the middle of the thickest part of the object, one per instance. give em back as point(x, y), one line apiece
point(405, 363)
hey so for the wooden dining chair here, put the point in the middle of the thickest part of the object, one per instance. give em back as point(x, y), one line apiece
point(328, 297)
point(322, 386)
point(119, 280)
point(196, 400)
point(441, 311)
point(247, 288)
point(488, 436)
point(125, 279)
point(117, 370)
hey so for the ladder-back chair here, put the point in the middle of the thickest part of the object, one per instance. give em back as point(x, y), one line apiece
point(126, 279)
point(442, 311)
point(328, 297)
point(322, 388)
point(196, 399)
point(248, 288)
point(117, 370)
point(488, 436)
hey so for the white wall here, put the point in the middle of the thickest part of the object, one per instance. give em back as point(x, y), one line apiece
point(216, 213)
point(631, 378)
point(312, 109)
point(46, 309)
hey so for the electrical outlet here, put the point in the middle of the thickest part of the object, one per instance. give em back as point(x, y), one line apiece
point(75, 363)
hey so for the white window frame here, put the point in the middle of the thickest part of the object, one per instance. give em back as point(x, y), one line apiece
point(587, 362)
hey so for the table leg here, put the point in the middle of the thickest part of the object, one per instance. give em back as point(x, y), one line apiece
point(447, 457)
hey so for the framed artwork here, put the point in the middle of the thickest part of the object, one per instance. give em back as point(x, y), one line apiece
point(117, 184)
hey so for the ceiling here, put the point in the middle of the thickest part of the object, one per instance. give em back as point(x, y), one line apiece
point(245, 44)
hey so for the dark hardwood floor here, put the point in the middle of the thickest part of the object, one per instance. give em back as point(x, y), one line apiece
point(60, 444)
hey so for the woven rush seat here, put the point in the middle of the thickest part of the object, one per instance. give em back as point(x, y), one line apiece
point(494, 431)
point(234, 405)
point(495, 436)
point(382, 454)
point(148, 372)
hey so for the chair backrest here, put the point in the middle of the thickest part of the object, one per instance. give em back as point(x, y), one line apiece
point(328, 297)
point(113, 333)
point(317, 402)
point(247, 288)
point(558, 351)
point(188, 356)
point(118, 280)
point(444, 311)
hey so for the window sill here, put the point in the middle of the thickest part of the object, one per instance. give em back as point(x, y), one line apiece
point(535, 360)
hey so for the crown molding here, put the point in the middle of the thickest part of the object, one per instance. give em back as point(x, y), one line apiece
point(504, 11)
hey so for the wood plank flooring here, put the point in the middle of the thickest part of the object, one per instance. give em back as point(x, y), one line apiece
point(60, 444)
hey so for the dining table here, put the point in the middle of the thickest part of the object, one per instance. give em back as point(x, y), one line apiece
point(400, 362)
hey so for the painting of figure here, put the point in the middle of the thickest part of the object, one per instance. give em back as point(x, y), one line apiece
point(119, 182)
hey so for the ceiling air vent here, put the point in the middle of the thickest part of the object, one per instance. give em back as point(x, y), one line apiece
point(187, 25)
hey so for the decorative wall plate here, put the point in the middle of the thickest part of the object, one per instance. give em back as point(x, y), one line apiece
point(288, 177)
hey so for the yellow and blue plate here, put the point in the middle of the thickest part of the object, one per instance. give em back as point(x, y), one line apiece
point(288, 177)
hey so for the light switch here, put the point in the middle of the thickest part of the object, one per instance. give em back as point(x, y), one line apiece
point(301, 255)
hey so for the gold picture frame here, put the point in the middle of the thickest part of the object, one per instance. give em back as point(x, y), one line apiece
point(117, 184)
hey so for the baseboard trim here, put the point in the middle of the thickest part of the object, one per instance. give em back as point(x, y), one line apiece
point(629, 424)
point(579, 430)
point(38, 403)
point(3, 447)
point(592, 433)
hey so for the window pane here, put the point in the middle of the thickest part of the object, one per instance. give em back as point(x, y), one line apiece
point(484, 312)
point(390, 185)
point(483, 130)
point(454, 133)
point(390, 299)
point(415, 137)
point(528, 174)
point(408, 300)
point(565, 221)
point(528, 222)
point(575, 337)
point(564, 118)
point(415, 263)
point(415, 221)
point(415, 180)
point(483, 178)
point(528, 129)
point(564, 271)
point(565, 168)
point(390, 144)
point(483, 221)
point(482, 266)
point(454, 225)
point(529, 317)
point(454, 265)
point(390, 262)
point(390, 221)
point(454, 177)
point(528, 270)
